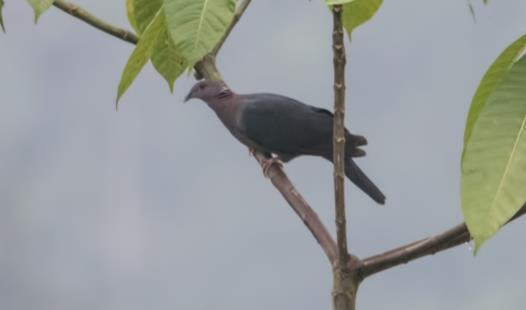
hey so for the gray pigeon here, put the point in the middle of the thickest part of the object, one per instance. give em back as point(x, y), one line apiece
point(284, 127)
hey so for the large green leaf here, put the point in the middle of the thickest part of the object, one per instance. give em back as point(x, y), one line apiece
point(39, 6)
point(166, 59)
point(141, 54)
point(196, 26)
point(130, 12)
point(489, 82)
point(144, 11)
point(494, 163)
point(1, 19)
point(335, 2)
point(358, 12)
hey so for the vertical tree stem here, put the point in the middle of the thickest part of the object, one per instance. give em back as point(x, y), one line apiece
point(344, 283)
point(339, 134)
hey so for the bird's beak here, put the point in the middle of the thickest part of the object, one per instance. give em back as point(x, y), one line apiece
point(189, 96)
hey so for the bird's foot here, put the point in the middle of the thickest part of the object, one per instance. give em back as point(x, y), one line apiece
point(268, 163)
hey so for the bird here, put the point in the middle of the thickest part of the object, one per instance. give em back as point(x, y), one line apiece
point(282, 128)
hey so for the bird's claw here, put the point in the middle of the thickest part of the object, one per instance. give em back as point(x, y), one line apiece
point(268, 163)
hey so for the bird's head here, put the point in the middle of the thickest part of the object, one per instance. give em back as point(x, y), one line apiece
point(209, 91)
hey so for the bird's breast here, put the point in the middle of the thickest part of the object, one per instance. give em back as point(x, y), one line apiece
point(231, 118)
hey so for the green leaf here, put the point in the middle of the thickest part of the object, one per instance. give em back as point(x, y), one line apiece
point(40, 6)
point(130, 12)
point(141, 54)
point(1, 19)
point(489, 82)
point(358, 12)
point(196, 26)
point(494, 163)
point(166, 59)
point(164, 56)
point(335, 2)
point(144, 11)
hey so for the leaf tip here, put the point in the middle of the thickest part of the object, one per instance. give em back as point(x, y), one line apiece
point(478, 244)
point(120, 92)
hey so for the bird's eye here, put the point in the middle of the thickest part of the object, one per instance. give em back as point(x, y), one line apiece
point(202, 86)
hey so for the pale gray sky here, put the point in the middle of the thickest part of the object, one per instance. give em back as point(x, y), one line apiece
point(158, 207)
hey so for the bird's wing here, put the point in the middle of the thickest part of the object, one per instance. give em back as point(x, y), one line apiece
point(283, 125)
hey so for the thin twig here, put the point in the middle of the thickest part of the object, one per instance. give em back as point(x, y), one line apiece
point(78, 12)
point(240, 10)
point(428, 246)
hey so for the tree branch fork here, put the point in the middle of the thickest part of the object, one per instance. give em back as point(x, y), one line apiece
point(359, 268)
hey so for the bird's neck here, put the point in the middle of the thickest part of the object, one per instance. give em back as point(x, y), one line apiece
point(226, 108)
point(222, 103)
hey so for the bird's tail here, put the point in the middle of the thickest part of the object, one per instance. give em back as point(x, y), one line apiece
point(356, 175)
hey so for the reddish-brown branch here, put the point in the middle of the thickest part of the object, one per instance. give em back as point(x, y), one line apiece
point(428, 246)
point(301, 207)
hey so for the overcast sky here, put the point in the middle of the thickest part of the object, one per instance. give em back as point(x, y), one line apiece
point(158, 207)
